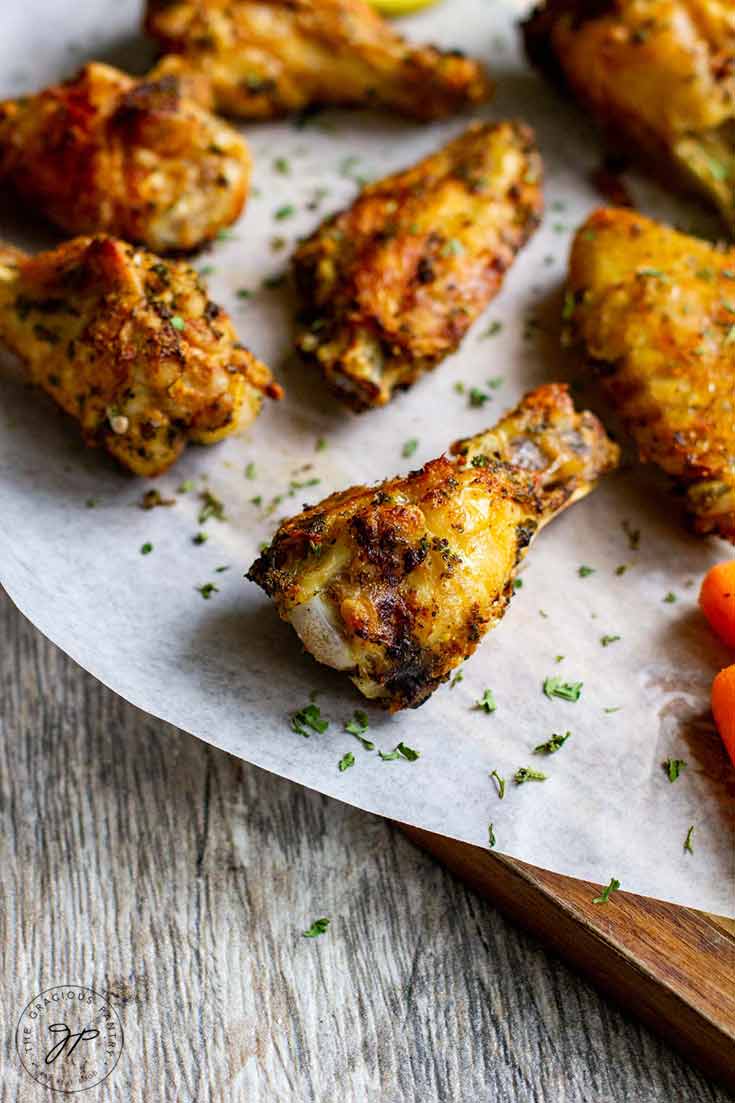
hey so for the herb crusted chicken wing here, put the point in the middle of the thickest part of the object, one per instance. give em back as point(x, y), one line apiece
point(137, 159)
point(131, 346)
point(661, 72)
point(264, 58)
point(655, 310)
point(391, 285)
point(397, 584)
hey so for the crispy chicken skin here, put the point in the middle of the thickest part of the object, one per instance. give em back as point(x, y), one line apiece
point(131, 346)
point(106, 153)
point(397, 584)
point(391, 285)
point(655, 310)
point(270, 57)
point(661, 72)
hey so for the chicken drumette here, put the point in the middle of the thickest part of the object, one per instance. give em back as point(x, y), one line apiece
point(131, 346)
point(655, 310)
point(137, 159)
point(267, 57)
point(661, 72)
point(397, 584)
point(391, 285)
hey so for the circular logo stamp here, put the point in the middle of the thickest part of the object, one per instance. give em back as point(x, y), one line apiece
point(69, 1038)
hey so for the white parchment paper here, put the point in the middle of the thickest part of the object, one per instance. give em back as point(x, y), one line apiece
point(230, 672)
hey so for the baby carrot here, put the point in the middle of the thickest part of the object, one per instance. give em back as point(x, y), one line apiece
point(717, 600)
point(723, 707)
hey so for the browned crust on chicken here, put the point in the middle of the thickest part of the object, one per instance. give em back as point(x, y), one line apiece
point(131, 346)
point(391, 285)
point(270, 57)
point(655, 311)
point(659, 72)
point(136, 159)
point(398, 583)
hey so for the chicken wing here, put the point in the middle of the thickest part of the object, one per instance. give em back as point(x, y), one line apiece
point(397, 584)
point(106, 153)
point(268, 57)
point(131, 346)
point(391, 285)
point(655, 309)
point(660, 72)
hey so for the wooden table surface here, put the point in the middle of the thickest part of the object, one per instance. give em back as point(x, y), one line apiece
point(177, 880)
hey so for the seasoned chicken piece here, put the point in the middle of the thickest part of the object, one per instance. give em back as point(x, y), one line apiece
point(656, 310)
point(131, 346)
point(397, 584)
point(267, 57)
point(106, 153)
point(659, 72)
point(391, 285)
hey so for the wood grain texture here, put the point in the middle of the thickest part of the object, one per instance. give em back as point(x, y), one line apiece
point(673, 966)
point(149, 866)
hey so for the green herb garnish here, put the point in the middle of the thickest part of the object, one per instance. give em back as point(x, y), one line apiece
point(673, 767)
point(310, 716)
point(207, 590)
point(500, 782)
point(409, 447)
point(146, 548)
point(487, 702)
point(525, 773)
point(345, 762)
point(607, 892)
point(551, 746)
point(567, 691)
point(318, 927)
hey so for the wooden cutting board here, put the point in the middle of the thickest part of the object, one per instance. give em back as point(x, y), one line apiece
point(673, 967)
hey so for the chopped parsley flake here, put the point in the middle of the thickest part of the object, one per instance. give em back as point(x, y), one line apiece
point(207, 590)
point(250, 471)
point(525, 773)
point(284, 212)
point(490, 836)
point(186, 486)
point(146, 549)
point(607, 892)
point(458, 677)
point(500, 782)
point(688, 841)
point(551, 746)
point(496, 382)
point(310, 716)
point(211, 507)
point(517, 583)
point(673, 767)
point(607, 640)
point(478, 397)
point(487, 702)
point(492, 330)
point(670, 598)
point(345, 762)
point(409, 447)
point(400, 751)
point(282, 165)
point(319, 926)
point(357, 726)
point(178, 322)
point(244, 293)
point(200, 538)
point(584, 571)
point(567, 691)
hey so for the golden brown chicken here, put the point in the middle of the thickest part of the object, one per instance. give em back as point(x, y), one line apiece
point(268, 57)
point(397, 584)
point(660, 72)
point(391, 285)
point(131, 346)
point(655, 310)
point(106, 153)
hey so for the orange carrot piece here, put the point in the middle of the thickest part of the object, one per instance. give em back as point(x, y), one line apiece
point(723, 708)
point(717, 600)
